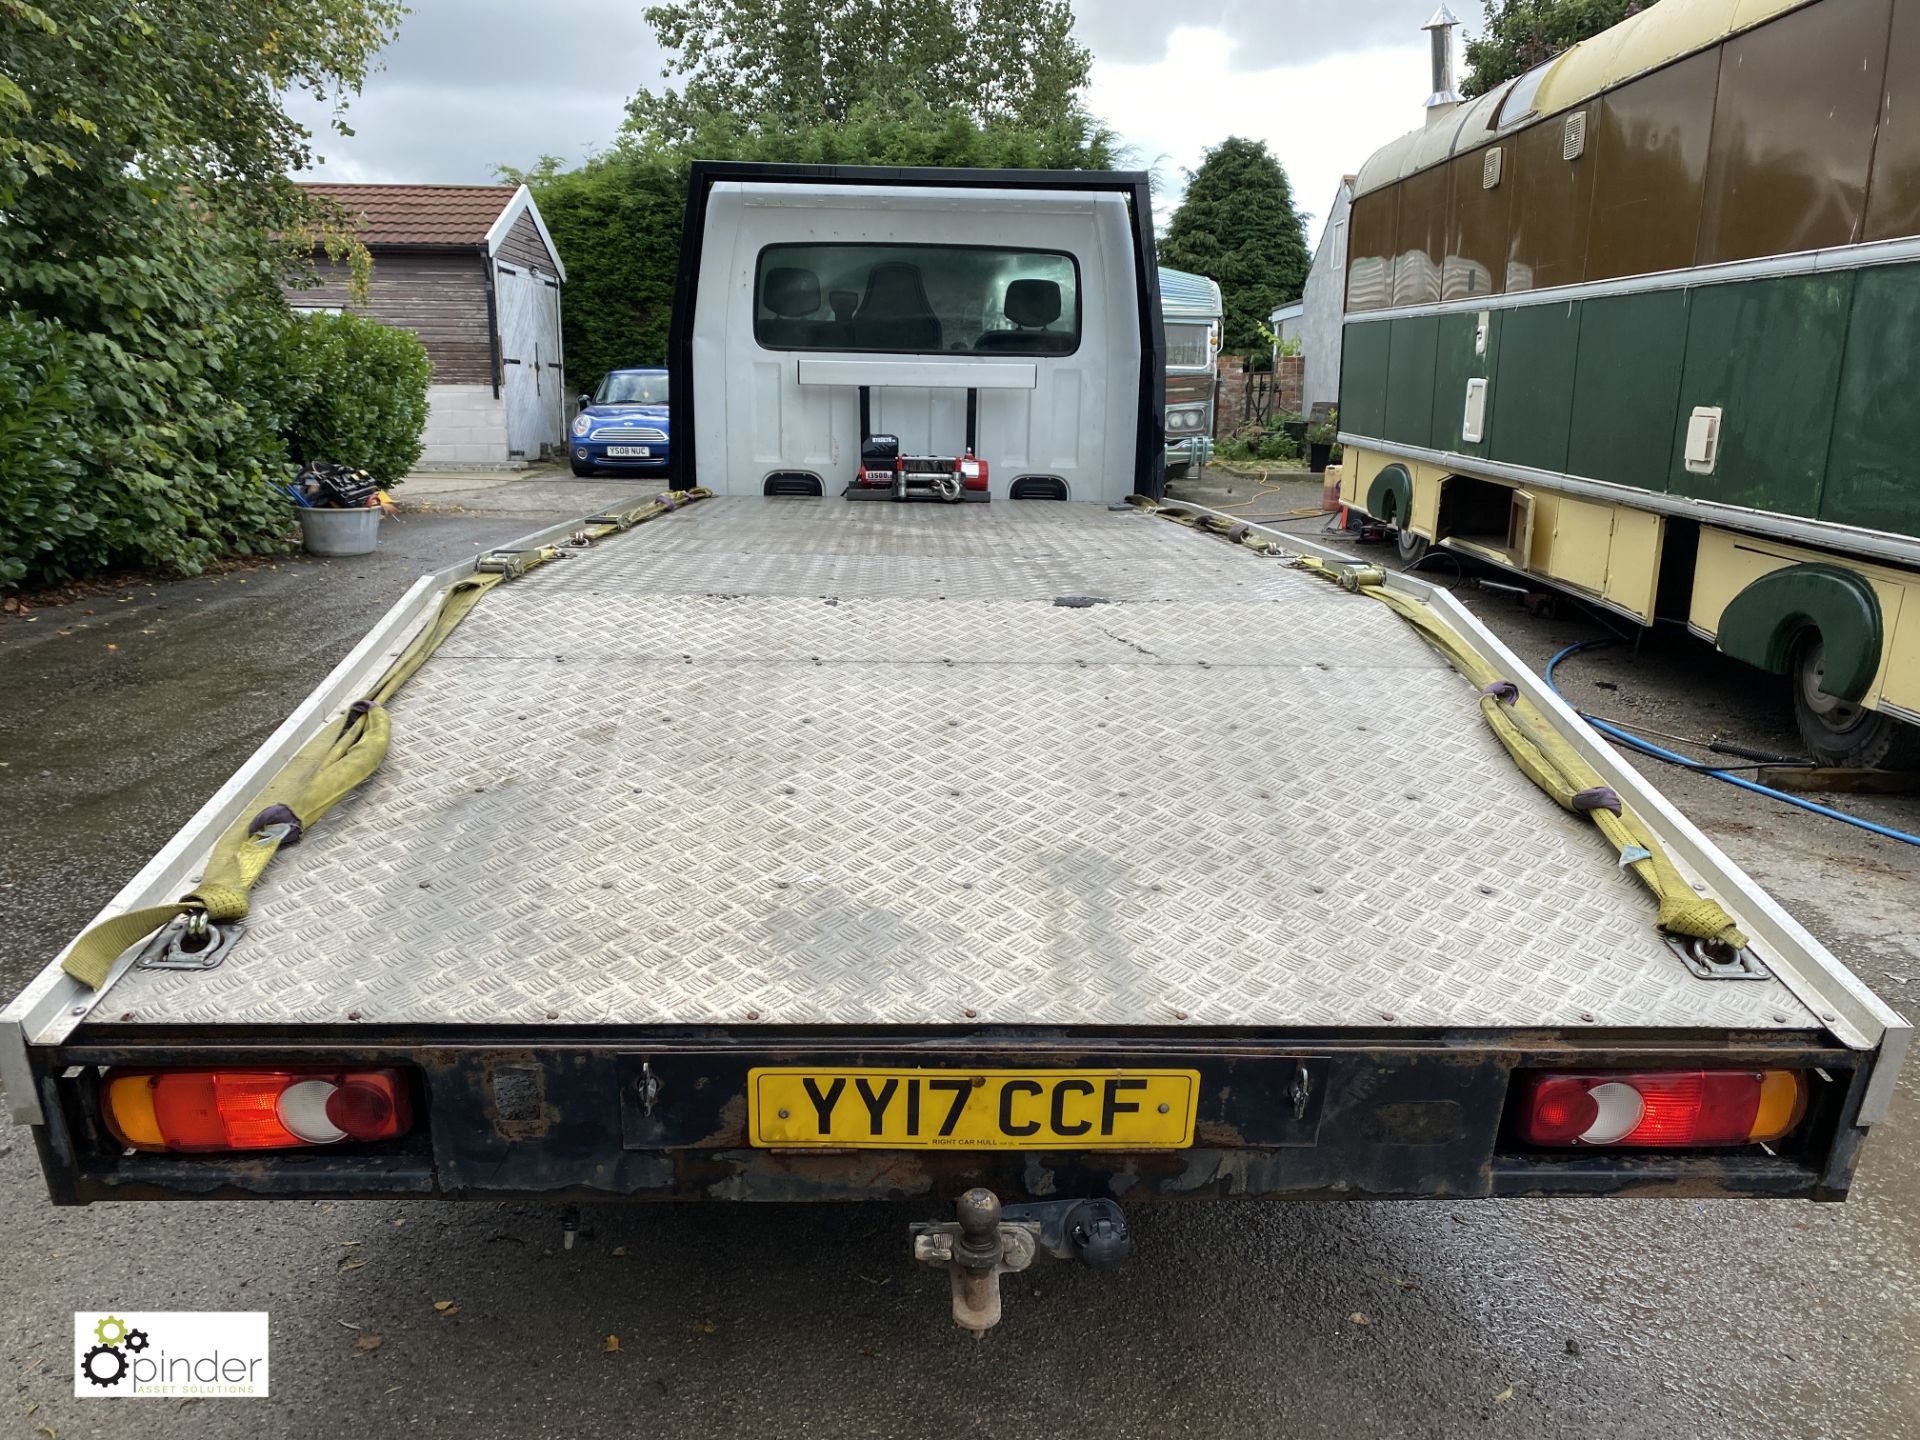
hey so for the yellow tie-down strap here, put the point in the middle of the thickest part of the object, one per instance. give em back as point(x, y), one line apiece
point(332, 764)
point(1529, 737)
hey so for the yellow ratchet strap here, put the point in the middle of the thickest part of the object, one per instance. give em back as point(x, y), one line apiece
point(1529, 737)
point(331, 765)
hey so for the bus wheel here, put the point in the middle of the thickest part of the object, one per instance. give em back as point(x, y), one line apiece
point(1839, 732)
point(1413, 548)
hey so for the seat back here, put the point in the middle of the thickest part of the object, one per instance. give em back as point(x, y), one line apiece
point(793, 294)
point(895, 313)
point(1031, 305)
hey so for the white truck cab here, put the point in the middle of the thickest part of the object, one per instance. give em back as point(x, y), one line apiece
point(947, 334)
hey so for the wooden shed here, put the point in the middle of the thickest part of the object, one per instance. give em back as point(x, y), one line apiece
point(472, 271)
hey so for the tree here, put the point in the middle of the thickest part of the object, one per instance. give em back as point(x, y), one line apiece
point(841, 82)
point(1524, 33)
point(617, 218)
point(792, 64)
point(1237, 225)
point(149, 223)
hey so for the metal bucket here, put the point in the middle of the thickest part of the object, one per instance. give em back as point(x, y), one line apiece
point(340, 532)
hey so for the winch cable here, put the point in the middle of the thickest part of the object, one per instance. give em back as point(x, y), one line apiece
point(1701, 767)
point(1541, 752)
point(331, 765)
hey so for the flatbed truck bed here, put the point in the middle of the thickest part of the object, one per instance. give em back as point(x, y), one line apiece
point(786, 762)
point(1033, 856)
point(773, 778)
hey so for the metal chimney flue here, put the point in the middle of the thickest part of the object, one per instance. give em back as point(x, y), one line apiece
point(1440, 35)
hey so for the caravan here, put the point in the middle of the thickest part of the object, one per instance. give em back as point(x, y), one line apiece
point(1192, 311)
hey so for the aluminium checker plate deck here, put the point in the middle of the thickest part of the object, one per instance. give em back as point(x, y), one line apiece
point(795, 762)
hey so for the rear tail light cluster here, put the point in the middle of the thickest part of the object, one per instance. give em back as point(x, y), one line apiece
point(1665, 1108)
point(211, 1110)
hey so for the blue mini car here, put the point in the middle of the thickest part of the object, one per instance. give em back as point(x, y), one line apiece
point(622, 426)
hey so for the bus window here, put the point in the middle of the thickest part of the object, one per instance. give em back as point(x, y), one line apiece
point(1793, 126)
point(1650, 163)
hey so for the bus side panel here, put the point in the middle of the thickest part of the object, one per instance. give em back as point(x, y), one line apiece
point(1767, 352)
point(1899, 678)
point(1626, 388)
point(1633, 560)
point(1871, 481)
point(1363, 376)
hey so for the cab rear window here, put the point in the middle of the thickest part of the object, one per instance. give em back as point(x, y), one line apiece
point(917, 299)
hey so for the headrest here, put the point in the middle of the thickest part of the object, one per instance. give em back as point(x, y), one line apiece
point(844, 303)
point(1032, 303)
point(894, 289)
point(789, 291)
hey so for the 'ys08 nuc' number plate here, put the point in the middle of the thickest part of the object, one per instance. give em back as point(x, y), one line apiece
point(972, 1109)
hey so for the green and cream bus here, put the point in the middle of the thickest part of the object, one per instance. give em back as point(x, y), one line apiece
point(1642, 323)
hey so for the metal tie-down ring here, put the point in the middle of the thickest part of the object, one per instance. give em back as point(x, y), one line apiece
point(190, 942)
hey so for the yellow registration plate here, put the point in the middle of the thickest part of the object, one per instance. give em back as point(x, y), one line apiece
point(972, 1109)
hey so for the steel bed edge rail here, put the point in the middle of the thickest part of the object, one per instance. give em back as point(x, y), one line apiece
point(54, 1004)
point(1852, 1013)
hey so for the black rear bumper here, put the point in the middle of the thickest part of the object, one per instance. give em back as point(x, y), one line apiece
point(566, 1117)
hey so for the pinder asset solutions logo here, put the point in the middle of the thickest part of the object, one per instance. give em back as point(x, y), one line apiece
point(209, 1354)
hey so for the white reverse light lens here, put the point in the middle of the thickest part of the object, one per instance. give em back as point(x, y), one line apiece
point(1621, 1109)
point(303, 1110)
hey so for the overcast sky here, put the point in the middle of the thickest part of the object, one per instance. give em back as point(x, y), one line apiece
point(470, 84)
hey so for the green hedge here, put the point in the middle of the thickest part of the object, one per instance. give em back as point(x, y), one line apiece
point(353, 391)
point(616, 220)
point(147, 224)
point(95, 472)
point(41, 499)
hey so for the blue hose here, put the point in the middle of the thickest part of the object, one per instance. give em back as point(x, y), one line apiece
point(1647, 747)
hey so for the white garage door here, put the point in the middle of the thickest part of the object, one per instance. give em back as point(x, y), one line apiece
point(533, 384)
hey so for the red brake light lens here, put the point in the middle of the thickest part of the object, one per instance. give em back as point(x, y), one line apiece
point(222, 1110)
point(1662, 1108)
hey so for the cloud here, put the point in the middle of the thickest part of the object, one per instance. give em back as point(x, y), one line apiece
point(471, 84)
point(1321, 118)
point(1262, 35)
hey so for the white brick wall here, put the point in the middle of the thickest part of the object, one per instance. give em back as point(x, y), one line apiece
point(466, 425)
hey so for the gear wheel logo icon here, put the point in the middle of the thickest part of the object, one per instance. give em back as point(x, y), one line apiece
point(95, 1367)
point(136, 1340)
point(110, 1330)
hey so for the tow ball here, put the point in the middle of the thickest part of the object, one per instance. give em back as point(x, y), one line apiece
point(988, 1240)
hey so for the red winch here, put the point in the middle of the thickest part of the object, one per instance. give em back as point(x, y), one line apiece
point(886, 474)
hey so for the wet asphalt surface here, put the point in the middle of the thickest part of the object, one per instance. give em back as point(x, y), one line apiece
point(1526, 1318)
